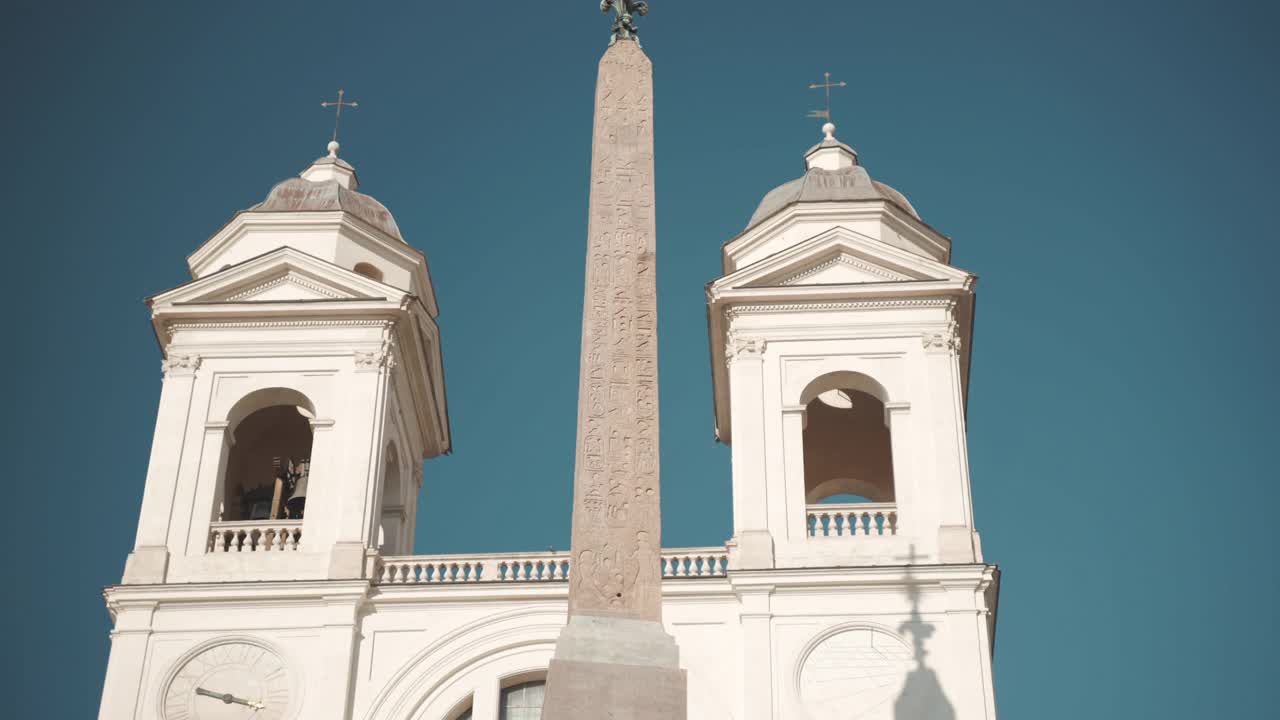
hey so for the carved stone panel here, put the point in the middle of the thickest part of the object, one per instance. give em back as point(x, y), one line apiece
point(616, 528)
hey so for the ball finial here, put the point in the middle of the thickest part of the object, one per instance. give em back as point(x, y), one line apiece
point(333, 148)
point(829, 129)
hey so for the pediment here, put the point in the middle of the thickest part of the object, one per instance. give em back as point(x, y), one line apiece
point(282, 276)
point(839, 257)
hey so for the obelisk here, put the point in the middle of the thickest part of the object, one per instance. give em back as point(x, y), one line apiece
point(614, 659)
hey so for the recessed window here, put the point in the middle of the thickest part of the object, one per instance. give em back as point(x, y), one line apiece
point(368, 271)
point(523, 701)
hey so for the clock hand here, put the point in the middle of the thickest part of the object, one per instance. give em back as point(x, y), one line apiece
point(228, 698)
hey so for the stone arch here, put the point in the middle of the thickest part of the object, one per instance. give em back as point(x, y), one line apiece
point(392, 515)
point(267, 467)
point(848, 451)
point(524, 638)
point(368, 270)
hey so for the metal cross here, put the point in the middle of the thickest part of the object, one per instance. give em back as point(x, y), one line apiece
point(339, 104)
point(826, 84)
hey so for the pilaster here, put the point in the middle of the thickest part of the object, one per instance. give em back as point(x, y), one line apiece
point(756, 616)
point(754, 541)
point(148, 563)
point(126, 664)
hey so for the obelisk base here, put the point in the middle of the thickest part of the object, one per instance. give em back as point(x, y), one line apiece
point(615, 669)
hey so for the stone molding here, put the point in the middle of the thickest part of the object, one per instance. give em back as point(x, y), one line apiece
point(944, 303)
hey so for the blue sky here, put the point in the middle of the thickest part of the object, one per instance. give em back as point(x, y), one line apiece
point(1105, 168)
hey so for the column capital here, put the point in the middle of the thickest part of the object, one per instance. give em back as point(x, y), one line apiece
point(174, 365)
point(743, 347)
point(375, 360)
point(945, 341)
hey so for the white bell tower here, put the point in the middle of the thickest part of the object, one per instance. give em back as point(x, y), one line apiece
point(840, 338)
point(840, 343)
point(303, 387)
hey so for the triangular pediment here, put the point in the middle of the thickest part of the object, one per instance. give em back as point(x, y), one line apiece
point(281, 276)
point(839, 256)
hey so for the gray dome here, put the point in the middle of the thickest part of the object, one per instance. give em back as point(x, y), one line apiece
point(818, 185)
point(301, 195)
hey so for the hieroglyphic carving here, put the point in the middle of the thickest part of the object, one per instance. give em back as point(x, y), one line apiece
point(616, 525)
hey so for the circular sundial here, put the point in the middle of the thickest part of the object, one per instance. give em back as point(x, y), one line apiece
point(856, 674)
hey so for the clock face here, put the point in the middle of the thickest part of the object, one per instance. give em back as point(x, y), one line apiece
point(232, 681)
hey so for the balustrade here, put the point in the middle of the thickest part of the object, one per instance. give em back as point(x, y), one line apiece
point(852, 519)
point(255, 536)
point(529, 567)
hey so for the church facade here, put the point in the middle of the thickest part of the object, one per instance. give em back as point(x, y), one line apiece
point(273, 574)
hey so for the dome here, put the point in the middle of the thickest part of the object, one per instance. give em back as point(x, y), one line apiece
point(833, 175)
point(818, 185)
point(326, 192)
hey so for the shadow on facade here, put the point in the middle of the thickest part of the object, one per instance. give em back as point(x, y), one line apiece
point(922, 697)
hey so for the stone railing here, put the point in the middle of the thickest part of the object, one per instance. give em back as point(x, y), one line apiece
point(529, 567)
point(850, 519)
point(255, 536)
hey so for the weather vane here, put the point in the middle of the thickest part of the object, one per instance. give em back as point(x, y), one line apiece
point(826, 84)
point(337, 120)
point(624, 25)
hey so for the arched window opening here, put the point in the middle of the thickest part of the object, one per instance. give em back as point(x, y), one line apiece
point(269, 465)
point(522, 701)
point(391, 532)
point(847, 452)
point(368, 270)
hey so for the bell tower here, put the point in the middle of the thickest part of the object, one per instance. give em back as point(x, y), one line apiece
point(303, 387)
point(840, 343)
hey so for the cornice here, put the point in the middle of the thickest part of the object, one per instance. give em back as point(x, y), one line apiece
point(745, 309)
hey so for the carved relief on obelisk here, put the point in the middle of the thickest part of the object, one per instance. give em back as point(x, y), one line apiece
point(614, 658)
point(615, 520)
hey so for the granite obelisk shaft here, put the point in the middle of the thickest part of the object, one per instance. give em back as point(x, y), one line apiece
point(614, 659)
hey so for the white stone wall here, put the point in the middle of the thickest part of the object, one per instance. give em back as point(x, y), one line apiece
point(756, 644)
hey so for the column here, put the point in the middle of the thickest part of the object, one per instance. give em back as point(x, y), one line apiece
point(950, 461)
point(148, 563)
point(794, 507)
point(125, 665)
point(756, 617)
point(352, 478)
point(334, 694)
point(745, 358)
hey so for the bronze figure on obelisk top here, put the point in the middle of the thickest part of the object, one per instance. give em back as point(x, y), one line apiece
point(614, 659)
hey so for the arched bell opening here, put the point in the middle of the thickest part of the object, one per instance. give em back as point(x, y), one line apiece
point(268, 467)
point(391, 530)
point(848, 455)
